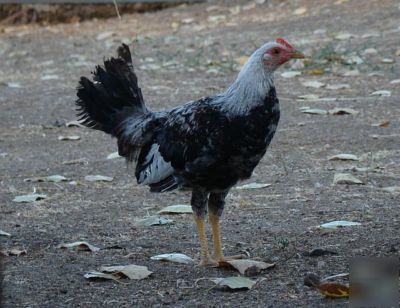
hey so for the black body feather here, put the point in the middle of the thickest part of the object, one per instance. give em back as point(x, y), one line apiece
point(198, 145)
point(213, 150)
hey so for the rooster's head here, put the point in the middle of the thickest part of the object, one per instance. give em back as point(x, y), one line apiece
point(279, 52)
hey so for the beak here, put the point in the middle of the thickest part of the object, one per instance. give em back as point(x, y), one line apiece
point(297, 55)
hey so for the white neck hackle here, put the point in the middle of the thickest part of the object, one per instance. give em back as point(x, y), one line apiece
point(252, 84)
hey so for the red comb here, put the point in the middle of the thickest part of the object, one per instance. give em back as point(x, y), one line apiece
point(283, 42)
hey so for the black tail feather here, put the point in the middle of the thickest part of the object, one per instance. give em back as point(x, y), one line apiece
point(112, 96)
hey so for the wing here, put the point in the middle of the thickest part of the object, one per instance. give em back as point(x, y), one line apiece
point(191, 138)
point(185, 144)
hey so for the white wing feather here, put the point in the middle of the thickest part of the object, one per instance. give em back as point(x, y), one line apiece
point(157, 170)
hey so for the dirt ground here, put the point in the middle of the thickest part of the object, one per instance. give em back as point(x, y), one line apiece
point(184, 53)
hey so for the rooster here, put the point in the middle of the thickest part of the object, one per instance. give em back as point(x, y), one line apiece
point(207, 145)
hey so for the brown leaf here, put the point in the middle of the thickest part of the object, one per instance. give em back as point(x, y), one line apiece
point(331, 289)
point(79, 246)
point(384, 123)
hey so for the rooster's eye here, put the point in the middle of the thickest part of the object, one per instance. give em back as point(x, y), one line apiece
point(276, 51)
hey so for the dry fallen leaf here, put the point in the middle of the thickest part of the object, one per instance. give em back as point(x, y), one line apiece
point(174, 257)
point(387, 61)
point(176, 209)
point(308, 97)
point(351, 73)
point(344, 36)
point(253, 186)
point(3, 233)
point(234, 283)
point(290, 74)
point(49, 77)
point(353, 59)
point(346, 178)
point(329, 289)
point(187, 20)
point(14, 85)
point(338, 86)
point(153, 221)
point(314, 111)
point(392, 189)
point(381, 93)
point(375, 74)
point(248, 267)
point(51, 178)
point(175, 25)
point(100, 275)
point(79, 246)
point(313, 84)
point(300, 11)
point(98, 178)
point(216, 19)
point(342, 111)
point(315, 72)
point(132, 271)
point(13, 252)
point(68, 138)
point(384, 123)
point(370, 51)
point(339, 223)
point(104, 35)
point(344, 156)
point(29, 198)
point(335, 290)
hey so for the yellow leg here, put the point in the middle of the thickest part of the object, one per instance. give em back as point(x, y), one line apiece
point(205, 258)
point(216, 232)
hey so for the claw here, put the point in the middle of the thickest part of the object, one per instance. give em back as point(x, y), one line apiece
point(230, 258)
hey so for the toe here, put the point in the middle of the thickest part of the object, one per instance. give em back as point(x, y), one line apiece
point(230, 258)
point(208, 262)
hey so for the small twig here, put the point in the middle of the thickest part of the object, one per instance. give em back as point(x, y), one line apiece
point(117, 10)
point(335, 276)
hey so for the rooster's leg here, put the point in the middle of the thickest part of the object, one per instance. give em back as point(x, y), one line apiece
point(216, 233)
point(216, 206)
point(199, 206)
